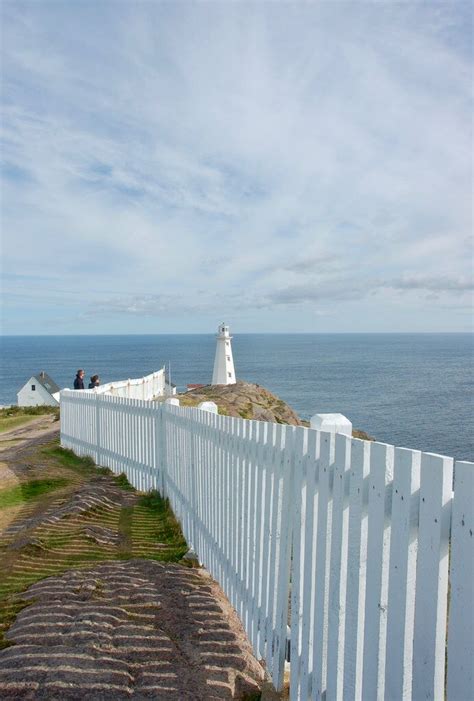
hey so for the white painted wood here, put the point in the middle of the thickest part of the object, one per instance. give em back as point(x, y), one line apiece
point(356, 569)
point(284, 550)
point(338, 567)
point(308, 545)
point(27, 396)
point(432, 577)
point(298, 527)
point(278, 464)
point(402, 573)
point(265, 555)
point(461, 616)
point(380, 479)
point(322, 523)
point(369, 569)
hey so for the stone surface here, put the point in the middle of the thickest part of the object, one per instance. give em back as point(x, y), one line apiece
point(245, 400)
point(121, 629)
point(137, 629)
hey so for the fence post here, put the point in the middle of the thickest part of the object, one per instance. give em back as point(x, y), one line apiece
point(284, 547)
point(97, 429)
point(431, 595)
point(162, 441)
point(460, 635)
point(193, 487)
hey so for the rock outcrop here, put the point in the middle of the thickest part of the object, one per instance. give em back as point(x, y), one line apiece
point(249, 401)
point(244, 400)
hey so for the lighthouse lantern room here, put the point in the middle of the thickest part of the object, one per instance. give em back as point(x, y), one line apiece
point(224, 373)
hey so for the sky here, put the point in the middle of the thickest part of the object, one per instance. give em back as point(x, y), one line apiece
point(285, 167)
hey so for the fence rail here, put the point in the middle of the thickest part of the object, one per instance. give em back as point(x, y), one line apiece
point(148, 387)
point(353, 543)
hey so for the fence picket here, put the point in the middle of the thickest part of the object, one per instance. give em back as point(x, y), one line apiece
point(429, 644)
point(338, 566)
point(323, 527)
point(298, 528)
point(460, 633)
point(380, 483)
point(402, 573)
point(356, 571)
point(308, 537)
point(368, 528)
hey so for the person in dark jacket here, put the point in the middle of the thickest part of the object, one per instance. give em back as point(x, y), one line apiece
point(95, 381)
point(79, 380)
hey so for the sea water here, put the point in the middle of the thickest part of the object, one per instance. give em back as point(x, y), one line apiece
point(410, 390)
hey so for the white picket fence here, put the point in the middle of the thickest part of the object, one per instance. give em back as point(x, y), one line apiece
point(352, 543)
point(148, 387)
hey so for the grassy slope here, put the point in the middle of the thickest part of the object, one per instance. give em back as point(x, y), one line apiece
point(14, 416)
point(144, 527)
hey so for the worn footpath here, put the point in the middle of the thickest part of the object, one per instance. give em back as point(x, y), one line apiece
point(94, 602)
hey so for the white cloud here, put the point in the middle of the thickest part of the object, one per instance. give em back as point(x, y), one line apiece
point(209, 152)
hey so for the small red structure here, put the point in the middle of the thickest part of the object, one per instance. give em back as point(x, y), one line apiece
point(190, 387)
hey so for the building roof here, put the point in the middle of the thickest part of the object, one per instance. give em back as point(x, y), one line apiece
point(45, 381)
point(194, 386)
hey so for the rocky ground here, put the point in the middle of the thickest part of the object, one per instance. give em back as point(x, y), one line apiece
point(94, 602)
point(245, 400)
point(249, 401)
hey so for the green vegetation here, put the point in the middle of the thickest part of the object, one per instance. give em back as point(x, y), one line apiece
point(118, 524)
point(124, 528)
point(69, 459)
point(25, 491)
point(28, 410)
point(14, 416)
point(122, 481)
point(247, 411)
point(152, 510)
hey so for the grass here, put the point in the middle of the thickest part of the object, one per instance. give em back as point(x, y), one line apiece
point(14, 416)
point(67, 458)
point(247, 411)
point(25, 491)
point(122, 481)
point(141, 526)
point(125, 531)
point(8, 423)
point(155, 522)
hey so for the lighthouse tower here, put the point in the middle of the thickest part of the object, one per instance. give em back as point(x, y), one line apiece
point(224, 373)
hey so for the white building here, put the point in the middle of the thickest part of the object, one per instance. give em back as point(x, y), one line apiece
point(39, 390)
point(224, 373)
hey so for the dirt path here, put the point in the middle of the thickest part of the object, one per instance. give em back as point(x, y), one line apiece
point(104, 626)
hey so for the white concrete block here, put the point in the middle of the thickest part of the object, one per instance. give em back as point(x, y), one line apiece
point(331, 423)
point(208, 406)
point(174, 401)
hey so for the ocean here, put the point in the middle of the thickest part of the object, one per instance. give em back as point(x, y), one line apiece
point(410, 390)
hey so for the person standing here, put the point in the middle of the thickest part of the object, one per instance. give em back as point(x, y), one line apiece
point(95, 381)
point(79, 380)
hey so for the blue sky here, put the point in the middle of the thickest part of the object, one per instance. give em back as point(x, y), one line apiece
point(282, 166)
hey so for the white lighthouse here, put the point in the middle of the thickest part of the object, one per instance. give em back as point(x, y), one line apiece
point(224, 373)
